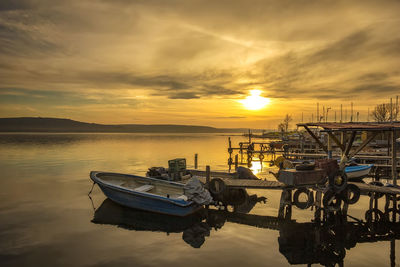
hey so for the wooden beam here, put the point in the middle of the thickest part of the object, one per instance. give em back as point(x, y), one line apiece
point(337, 142)
point(364, 144)
point(316, 139)
point(350, 143)
point(345, 153)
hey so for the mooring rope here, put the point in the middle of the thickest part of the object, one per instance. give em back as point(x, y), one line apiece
point(91, 189)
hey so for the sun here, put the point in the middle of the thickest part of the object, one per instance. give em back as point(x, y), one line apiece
point(255, 101)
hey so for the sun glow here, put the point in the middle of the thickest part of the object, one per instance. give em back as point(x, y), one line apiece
point(256, 167)
point(255, 101)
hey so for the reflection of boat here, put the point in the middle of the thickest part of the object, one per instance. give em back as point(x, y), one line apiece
point(145, 193)
point(139, 220)
point(193, 229)
point(358, 170)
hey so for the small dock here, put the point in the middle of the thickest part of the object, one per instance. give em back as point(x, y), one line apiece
point(276, 185)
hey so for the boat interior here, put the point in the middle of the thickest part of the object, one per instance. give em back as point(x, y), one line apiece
point(138, 184)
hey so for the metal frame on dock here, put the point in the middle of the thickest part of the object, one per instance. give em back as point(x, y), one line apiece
point(348, 132)
point(352, 127)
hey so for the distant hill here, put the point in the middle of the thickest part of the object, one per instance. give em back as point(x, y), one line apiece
point(30, 124)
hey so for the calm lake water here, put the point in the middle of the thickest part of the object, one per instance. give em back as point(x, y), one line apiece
point(47, 219)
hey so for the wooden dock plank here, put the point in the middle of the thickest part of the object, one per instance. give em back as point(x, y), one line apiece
point(213, 174)
point(276, 185)
point(242, 183)
point(367, 188)
point(230, 181)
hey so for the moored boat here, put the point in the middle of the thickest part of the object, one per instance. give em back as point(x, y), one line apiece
point(145, 193)
point(358, 171)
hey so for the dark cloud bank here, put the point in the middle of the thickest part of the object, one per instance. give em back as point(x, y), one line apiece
point(351, 50)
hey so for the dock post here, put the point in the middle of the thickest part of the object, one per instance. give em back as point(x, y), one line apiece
point(236, 161)
point(208, 175)
point(318, 205)
point(195, 160)
point(230, 150)
point(285, 205)
point(329, 147)
point(393, 252)
point(394, 158)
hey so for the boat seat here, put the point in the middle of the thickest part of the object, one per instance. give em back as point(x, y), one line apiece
point(144, 188)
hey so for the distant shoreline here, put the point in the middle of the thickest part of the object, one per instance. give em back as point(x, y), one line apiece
point(57, 125)
point(172, 133)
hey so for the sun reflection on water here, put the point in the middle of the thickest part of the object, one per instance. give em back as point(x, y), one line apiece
point(256, 167)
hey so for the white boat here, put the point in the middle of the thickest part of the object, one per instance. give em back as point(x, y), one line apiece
point(145, 193)
point(358, 171)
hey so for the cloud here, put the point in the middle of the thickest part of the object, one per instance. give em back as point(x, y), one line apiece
point(7, 5)
point(89, 52)
point(231, 117)
point(18, 42)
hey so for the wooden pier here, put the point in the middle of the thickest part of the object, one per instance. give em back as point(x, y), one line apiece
point(276, 185)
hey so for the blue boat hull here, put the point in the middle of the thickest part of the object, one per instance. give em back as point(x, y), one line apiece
point(358, 170)
point(147, 202)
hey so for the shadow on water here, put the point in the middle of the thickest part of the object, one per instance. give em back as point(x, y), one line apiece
point(316, 242)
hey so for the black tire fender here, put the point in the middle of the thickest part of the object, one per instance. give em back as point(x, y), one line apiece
point(389, 214)
point(340, 187)
point(354, 190)
point(217, 186)
point(306, 204)
point(379, 216)
point(332, 200)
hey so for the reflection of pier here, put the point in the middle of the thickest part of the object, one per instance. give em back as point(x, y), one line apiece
point(324, 242)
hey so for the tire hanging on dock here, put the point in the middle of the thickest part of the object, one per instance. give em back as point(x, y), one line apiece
point(389, 216)
point(303, 204)
point(374, 215)
point(351, 194)
point(377, 194)
point(217, 187)
point(340, 181)
point(331, 200)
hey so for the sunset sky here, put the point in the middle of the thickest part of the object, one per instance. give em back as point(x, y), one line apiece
point(194, 62)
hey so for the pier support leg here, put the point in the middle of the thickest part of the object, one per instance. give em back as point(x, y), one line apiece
point(285, 206)
point(236, 161)
point(230, 150)
point(195, 160)
point(208, 175)
point(329, 147)
point(394, 158)
point(208, 178)
point(394, 208)
point(345, 209)
point(318, 206)
point(393, 252)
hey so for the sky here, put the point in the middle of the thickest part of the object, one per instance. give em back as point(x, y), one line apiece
point(194, 62)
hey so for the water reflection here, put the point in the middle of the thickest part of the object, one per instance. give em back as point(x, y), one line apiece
point(316, 242)
point(44, 139)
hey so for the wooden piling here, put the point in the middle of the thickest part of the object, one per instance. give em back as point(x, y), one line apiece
point(236, 161)
point(208, 175)
point(195, 160)
point(329, 147)
point(393, 252)
point(230, 150)
point(394, 158)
